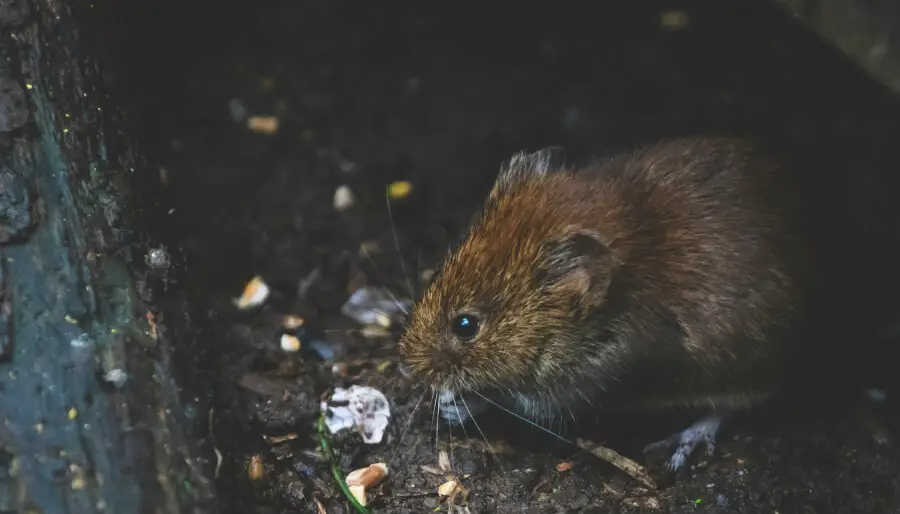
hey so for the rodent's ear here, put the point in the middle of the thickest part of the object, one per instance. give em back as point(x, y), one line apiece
point(579, 261)
point(524, 165)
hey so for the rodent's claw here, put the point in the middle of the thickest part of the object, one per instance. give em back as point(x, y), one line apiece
point(686, 441)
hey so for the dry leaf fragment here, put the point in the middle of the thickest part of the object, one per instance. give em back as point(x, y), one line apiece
point(367, 476)
point(448, 488)
point(255, 293)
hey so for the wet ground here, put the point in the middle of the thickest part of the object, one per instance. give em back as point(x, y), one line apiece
point(366, 94)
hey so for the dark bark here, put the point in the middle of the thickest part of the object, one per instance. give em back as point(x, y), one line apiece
point(90, 415)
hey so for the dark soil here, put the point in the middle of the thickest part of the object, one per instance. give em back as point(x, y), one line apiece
point(372, 92)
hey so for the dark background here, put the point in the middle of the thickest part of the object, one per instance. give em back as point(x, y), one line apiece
point(439, 94)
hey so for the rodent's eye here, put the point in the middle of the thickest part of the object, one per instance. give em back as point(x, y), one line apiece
point(464, 326)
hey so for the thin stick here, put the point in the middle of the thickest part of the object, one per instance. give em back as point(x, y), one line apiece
point(623, 463)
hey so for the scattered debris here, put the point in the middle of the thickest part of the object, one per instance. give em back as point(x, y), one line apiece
point(255, 293)
point(358, 492)
point(151, 321)
point(368, 476)
point(335, 469)
point(444, 461)
point(374, 306)
point(116, 377)
point(361, 407)
point(278, 439)
point(399, 190)
point(343, 198)
point(449, 488)
point(291, 322)
point(237, 109)
point(255, 468)
point(290, 343)
point(157, 258)
point(341, 369)
point(564, 466)
point(263, 124)
point(323, 348)
point(626, 465)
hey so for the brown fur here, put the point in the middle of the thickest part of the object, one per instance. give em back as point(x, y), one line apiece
point(675, 274)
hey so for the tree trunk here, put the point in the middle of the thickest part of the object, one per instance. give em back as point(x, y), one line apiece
point(90, 416)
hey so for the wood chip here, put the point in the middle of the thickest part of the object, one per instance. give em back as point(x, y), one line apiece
point(263, 124)
point(278, 439)
point(624, 464)
point(443, 460)
point(255, 293)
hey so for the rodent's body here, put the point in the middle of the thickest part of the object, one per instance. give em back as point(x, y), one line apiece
point(677, 274)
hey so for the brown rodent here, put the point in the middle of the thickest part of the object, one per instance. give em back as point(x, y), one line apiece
point(677, 274)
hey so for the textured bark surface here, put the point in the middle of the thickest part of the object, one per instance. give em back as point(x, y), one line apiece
point(90, 416)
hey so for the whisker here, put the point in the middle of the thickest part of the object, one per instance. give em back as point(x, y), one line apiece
point(458, 416)
point(412, 416)
point(390, 293)
point(387, 201)
point(526, 420)
point(474, 422)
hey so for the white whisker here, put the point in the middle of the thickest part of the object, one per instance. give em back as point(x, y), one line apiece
point(412, 416)
point(526, 420)
point(387, 201)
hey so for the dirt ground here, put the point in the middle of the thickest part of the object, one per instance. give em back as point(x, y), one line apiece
point(368, 93)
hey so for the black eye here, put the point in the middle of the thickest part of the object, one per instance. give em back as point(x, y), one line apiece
point(464, 326)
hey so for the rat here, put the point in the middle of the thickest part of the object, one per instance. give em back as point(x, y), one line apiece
point(675, 275)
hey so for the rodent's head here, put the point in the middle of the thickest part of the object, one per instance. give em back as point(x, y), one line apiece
point(508, 308)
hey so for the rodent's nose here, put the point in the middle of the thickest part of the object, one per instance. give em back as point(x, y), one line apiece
point(445, 360)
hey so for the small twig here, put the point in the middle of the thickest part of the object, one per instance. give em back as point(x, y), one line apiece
point(623, 463)
point(335, 470)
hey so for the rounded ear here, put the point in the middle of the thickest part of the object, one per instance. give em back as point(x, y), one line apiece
point(580, 262)
point(523, 165)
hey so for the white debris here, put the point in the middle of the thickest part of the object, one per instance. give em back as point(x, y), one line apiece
point(362, 408)
point(343, 198)
point(374, 306)
point(290, 343)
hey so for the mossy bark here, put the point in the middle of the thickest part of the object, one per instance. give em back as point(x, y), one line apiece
point(90, 414)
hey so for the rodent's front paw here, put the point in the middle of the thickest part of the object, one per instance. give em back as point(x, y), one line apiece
point(687, 440)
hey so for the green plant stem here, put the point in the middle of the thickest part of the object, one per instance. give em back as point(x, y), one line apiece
point(335, 469)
